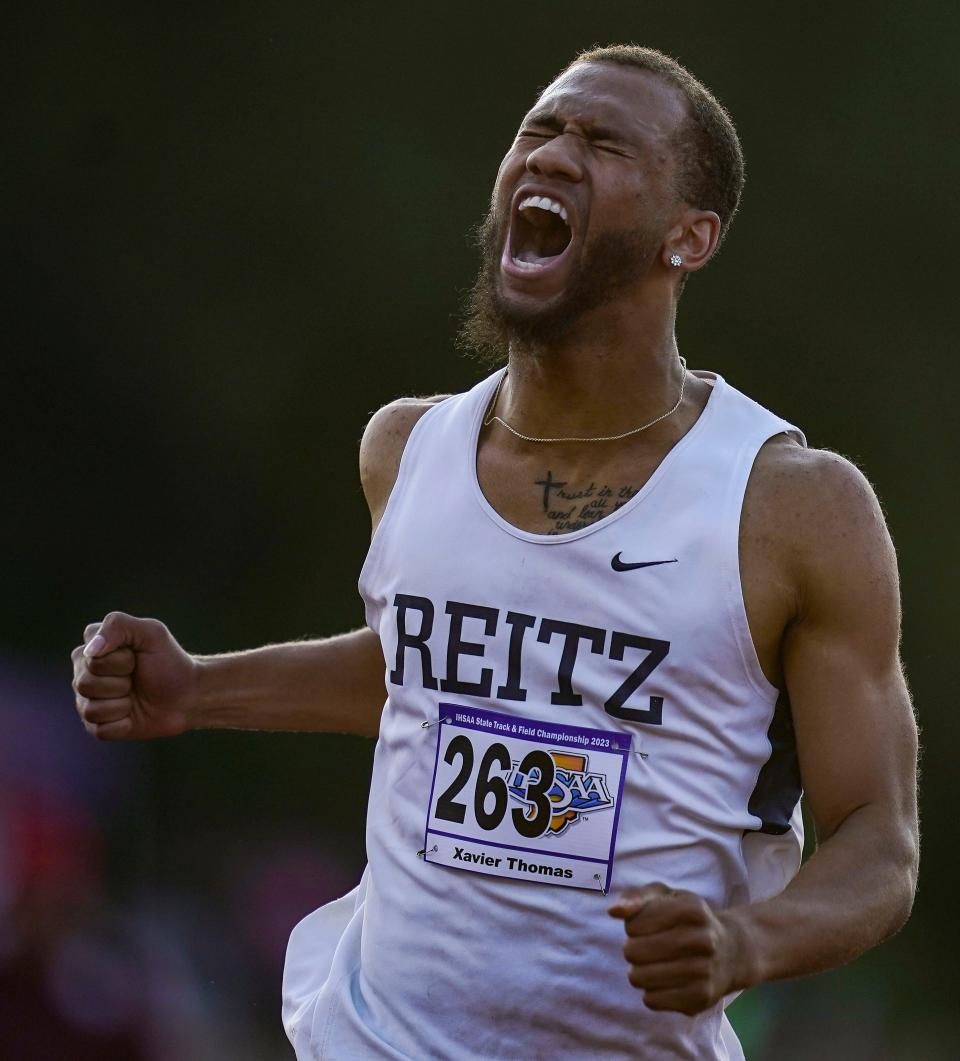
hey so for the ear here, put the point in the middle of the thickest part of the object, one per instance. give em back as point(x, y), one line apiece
point(694, 239)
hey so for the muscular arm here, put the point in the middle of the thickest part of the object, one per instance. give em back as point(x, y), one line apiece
point(133, 681)
point(857, 746)
point(855, 731)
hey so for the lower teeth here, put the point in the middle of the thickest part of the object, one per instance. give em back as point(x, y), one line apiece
point(527, 265)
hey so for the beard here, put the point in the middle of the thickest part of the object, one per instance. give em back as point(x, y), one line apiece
point(491, 326)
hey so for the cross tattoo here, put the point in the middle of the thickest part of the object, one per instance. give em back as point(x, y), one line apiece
point(549, 484)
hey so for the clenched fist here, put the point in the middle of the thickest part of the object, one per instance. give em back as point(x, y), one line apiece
point(682, 955)
point(132, 680)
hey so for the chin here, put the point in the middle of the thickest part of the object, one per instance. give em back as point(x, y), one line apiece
point(539, 325)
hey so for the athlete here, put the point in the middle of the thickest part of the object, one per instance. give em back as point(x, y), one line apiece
point(616, 612)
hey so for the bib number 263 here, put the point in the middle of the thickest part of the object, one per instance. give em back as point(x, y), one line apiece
point(490, 792)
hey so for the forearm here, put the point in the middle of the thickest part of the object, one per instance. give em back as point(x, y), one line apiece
point(331, 685)
point(854, 892)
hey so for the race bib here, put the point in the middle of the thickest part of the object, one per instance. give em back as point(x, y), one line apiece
point(520, 798)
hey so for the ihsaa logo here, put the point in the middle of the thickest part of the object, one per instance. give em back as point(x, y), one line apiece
point(574, 790)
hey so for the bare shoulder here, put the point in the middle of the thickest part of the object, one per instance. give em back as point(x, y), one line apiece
point(382, 447)
point(800, 487)
point(817, 511)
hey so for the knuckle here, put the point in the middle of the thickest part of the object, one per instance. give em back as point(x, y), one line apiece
point(635, 925)
point(100, 712)
point(700, 968)
point(701, 944)
point(93, 712)
point(84, 684)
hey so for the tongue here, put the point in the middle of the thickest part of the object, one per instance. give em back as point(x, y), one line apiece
point(531, 257)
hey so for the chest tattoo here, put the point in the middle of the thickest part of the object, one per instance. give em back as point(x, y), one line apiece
point(569, 509)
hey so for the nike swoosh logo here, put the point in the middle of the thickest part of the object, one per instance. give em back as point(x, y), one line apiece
point(618, 565)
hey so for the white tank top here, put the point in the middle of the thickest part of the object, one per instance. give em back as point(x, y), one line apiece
point(619, 653)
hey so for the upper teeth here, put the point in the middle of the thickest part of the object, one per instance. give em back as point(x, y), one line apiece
point(542, 202)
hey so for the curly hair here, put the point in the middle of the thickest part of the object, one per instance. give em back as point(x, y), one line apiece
point(709, 154)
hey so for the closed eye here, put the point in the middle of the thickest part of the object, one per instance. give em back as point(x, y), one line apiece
point(613, 149)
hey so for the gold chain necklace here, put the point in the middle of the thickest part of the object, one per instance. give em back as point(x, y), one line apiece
point(600, 438)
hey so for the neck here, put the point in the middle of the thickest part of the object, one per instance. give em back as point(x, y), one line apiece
point(609, 373)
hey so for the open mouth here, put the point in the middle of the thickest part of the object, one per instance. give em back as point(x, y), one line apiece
point(540, 233)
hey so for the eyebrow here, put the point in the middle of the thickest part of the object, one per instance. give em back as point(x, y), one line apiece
point(553, 121)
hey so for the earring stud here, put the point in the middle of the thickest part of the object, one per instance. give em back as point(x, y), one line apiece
point(675, 259)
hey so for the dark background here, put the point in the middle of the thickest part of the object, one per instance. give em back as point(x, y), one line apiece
point(230, 232)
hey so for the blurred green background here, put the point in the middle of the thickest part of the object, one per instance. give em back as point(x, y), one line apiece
point(230, 232)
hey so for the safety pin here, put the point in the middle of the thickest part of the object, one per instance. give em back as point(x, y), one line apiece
point(426, 725)
point(597, 877)
point(423, 851)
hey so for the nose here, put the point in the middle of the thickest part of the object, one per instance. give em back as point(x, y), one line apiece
point(557, 157)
